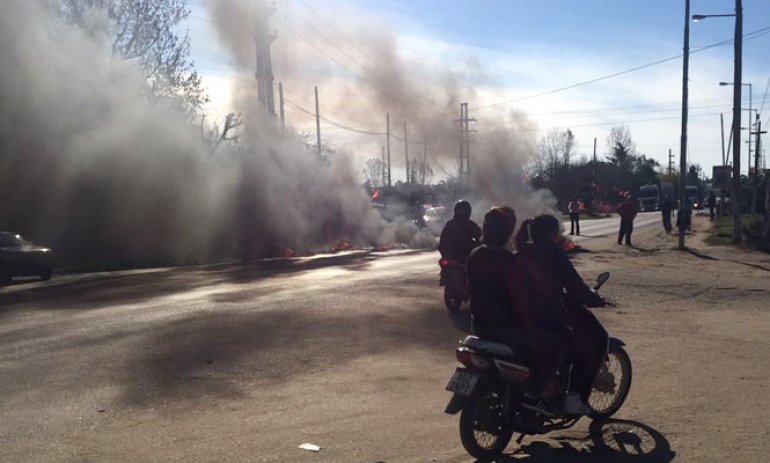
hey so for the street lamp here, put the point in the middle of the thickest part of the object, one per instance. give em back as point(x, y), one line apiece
point(700, 17)
point(722, 84)
point(737, 77)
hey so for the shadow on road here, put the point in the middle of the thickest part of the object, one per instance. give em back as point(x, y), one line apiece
point(97, 290)
point(227, 355)
point(698, 254)
point(612, 441)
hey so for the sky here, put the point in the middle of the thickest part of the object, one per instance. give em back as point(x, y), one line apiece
point(510, 56)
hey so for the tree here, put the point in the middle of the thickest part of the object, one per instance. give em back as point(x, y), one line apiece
point(622, 147)
point(419, 172)
point(146, 31)
point(214, 136)
point(555, 150)
point(373, 172)
point(645, 169)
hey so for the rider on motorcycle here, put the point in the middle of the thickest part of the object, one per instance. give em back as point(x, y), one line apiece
point(460, 235)
point(554, 285)
point(496, 283)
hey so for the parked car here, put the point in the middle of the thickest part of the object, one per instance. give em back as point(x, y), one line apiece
point(19, 257)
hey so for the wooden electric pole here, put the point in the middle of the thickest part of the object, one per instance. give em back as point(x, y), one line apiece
point(281, 101)
point(387, 143)
point(465, 148)
point(406, 155)
point(317, 123)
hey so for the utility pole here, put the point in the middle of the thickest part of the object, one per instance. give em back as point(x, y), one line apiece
point(264, 72)
point(424, 159)
point(685, 94)
point(594, 150)
point(737, 79)
point(757, 146)
point(722, 125)
point(317, 123)
point(406, 155)
point(465, 146)
point(281, 101)
point(383, 165)
point(387, 142)
point(670, 162)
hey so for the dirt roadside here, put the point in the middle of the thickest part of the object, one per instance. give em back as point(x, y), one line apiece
point(696, 323)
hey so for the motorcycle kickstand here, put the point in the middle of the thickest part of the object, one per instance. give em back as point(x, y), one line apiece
point(520, 438)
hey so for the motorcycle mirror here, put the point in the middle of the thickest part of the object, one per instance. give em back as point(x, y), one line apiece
point(601, 279)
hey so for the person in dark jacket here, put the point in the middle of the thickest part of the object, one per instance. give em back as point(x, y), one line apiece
point(711, 202)
point(665, 210)
point(460, 235)
point(499, 306)
point(627, 211)
point(553, 287)
point(574, 216)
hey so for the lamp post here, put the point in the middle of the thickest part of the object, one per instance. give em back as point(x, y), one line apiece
point(737, 77)
point(683, 137)
point(722, 84)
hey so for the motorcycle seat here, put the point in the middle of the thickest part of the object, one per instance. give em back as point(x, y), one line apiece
point(491, 347)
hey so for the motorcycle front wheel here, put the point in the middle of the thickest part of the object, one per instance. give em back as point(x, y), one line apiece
point(484, 429)
point(452, 302)
point(611, 385)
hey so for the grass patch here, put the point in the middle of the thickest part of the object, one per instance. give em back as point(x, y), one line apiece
point(722, 232)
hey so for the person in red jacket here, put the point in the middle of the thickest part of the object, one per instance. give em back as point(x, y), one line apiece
point(627, 211)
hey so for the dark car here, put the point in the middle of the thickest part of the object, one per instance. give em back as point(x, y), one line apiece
point(19, 257)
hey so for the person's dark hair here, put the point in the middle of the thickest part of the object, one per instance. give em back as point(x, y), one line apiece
point(499, 224)
point(463, 208)
point(539, 229)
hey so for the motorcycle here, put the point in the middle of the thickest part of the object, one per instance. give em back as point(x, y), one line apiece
point(489, 393)
point(453, 279)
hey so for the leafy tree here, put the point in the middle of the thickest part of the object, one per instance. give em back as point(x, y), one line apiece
point(146, 31)
point(622, 147)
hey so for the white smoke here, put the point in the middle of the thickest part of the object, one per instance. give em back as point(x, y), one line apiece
point(89, 165)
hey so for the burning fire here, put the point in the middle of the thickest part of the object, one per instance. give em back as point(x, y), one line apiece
point(341, 245)
point(568, 245)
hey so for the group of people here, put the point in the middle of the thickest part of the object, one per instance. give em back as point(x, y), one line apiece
point(520, 298)
point(627, 211)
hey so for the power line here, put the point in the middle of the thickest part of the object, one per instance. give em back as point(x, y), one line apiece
point(328, 23)
point(764, 97)
point(746, 37)
point(374, 84)
point(600, 124)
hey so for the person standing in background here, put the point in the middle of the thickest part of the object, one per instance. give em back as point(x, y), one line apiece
point(627, 211)
point(711, 202)
point(574, 216)
point(665, 210)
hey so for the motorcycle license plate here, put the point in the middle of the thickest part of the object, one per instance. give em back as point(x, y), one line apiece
point(463, 382)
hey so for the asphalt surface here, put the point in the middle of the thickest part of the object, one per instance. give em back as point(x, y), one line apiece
point(350, 352)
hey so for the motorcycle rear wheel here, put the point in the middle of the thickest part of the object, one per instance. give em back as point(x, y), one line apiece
point(484, 428)
point(451, 301)
point(611, 385)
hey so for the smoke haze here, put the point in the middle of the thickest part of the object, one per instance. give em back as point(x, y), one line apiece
point(91, 167)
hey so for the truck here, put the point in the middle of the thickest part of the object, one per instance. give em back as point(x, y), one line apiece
point(649, 198)
point(667, 189)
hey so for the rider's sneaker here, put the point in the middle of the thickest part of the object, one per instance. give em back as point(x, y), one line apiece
point(573, 405)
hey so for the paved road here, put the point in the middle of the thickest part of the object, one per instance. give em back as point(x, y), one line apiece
point(608, 228)
point(228, 363)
